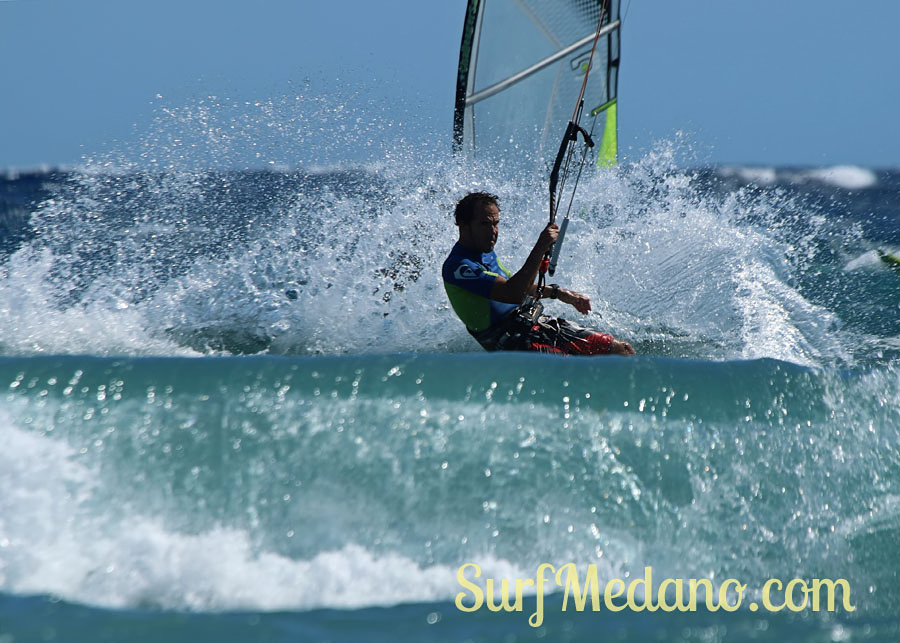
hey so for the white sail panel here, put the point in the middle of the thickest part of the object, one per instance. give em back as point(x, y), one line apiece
point(522, 63)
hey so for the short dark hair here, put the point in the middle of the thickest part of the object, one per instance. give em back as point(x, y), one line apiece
point(473, 203)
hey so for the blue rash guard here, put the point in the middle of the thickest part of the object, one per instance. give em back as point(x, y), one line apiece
point(469, 276)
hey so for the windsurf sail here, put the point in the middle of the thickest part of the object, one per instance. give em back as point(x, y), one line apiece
point(521, 64)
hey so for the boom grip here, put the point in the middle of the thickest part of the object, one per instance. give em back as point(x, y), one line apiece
point(557, 246)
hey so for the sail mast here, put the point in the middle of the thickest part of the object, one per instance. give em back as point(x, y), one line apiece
point(465, 77)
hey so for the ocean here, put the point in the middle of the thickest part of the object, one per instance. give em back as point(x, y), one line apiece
point(238, 407)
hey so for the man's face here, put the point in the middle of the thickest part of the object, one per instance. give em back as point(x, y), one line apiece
point(483, 228)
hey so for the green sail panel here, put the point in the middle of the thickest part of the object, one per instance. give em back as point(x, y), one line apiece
point(609, 144)
point(521, 66)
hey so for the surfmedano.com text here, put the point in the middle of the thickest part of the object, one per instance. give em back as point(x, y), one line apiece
point(671, 594)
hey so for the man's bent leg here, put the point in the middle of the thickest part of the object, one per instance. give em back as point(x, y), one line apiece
point(574, 339)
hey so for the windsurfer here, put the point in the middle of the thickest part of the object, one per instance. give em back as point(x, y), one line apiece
point(488, 298)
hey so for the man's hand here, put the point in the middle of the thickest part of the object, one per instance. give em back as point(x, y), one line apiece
point(582, 303)
point(547, 238)
point(618, 347)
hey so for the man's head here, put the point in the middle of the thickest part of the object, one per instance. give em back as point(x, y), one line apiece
point(477, 215)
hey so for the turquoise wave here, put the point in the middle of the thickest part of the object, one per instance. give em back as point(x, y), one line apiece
point(421, 462)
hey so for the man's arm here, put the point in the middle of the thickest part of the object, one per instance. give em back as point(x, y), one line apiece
point(581, 303)
point(516, 288)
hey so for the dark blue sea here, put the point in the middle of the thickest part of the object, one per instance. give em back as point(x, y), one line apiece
point(238, 407)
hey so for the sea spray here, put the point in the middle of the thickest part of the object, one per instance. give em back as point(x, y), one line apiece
point(348, 262)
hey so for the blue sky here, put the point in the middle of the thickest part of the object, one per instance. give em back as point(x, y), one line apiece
point(772, 82)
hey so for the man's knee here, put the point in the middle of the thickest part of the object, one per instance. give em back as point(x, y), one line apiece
point(600, 343)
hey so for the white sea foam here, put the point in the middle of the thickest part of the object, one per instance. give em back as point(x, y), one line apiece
point(848, 177)
point(31, 322)
point(866, 259)
point(778, 322)
point(54, 541)
point(757, 175)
